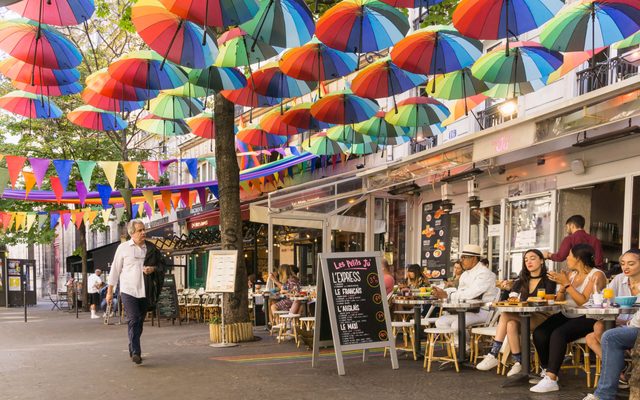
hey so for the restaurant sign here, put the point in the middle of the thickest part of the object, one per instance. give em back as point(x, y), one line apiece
point(435, 240)
point(357, 303)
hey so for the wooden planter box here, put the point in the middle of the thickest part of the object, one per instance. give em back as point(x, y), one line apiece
point(234, 333)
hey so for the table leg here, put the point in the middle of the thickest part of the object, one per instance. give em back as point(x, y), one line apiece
point(417, 326)
point(609, 324)
point(462, 337)
point(525, 351)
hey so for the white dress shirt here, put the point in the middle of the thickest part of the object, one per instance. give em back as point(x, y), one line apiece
point(127, 266)
point(93, 280)
point(476, 283)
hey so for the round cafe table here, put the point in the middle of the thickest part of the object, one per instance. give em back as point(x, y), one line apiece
point(461, 308)
point(417, 318)
point(606, 314)
point(525, 338)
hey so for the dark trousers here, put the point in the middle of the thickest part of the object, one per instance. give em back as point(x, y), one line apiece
point(135, 308)
point(553, 335)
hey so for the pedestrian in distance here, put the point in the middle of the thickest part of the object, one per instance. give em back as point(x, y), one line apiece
point(93, 289)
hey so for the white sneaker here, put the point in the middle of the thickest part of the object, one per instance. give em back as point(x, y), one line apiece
point(545, 385)
point(591, 397)
point(538, 378)
point(94, 316)
point(489, 362)
point(515, 369)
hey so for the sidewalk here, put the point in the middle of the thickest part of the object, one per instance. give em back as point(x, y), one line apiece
point(56, 356)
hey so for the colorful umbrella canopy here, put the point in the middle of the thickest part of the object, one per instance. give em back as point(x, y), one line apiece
point(361, 26)
point(281, 23)
point(384, 79)
point(53, 91)
point(175, 38)
point(343, 107)
point(632, 40)
point(456, 85)
point(385, 132)
point(236, 49)
point(411, 3)
point(203, 125)
point(589, 24)
point(257, 137)
point(418, 112)
point(498, 19)
point(174, 107)
point(103, 83)
point(96, 119)
point(39, 45)
point(436, 50)
point(320, 145)
point(248, 98)
point(348, 135)
point(315, 61)
point(147, 69)
point(221, 13)
point(363, 148)
point(513, 90)
point(55, 12)
point(527, 62)
point(163, 127)
point(300, 117)
point(21, 71)
point(109, 103)
point(218, 78)
point(570, 61)
point(271, 81)
point(188, 90)
point(461, 107)
point(29, 105)
point(273, 122)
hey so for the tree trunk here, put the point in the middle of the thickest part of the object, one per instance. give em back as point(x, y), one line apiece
point(634, 381)
point(236, 307)
point(83, 253)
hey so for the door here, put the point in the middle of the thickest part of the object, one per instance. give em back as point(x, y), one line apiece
point(484, 230)
point(198, 263)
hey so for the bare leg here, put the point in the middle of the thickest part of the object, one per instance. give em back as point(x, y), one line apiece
point(593, 339)
point(513, 333)
point(501, 331)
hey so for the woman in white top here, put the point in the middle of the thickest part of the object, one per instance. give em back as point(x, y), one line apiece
point(553, 335)
point(625, 284)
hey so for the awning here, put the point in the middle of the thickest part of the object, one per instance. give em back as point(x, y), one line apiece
point(212, 218)
point(100, 258)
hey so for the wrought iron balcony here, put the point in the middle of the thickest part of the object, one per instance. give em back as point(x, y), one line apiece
point(492, 116)
point(604, 73)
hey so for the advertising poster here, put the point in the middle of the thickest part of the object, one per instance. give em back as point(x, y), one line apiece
point(435, 239)
point(14, 283)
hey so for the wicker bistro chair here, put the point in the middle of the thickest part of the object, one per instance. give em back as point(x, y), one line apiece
point(444, 336)
point(577, 349)
point(407, 329)
point(211, 307)
point(193, 307)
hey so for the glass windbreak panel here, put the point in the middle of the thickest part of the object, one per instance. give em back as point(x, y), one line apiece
point(395, 246)
point(357, 210)
point(351, 185)
point(635, 214)
point(484, 230)
point(530, 223)
point(454, 221)
point(344, 241)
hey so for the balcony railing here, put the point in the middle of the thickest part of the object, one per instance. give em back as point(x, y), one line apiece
point(604, 73)
point(492, 116)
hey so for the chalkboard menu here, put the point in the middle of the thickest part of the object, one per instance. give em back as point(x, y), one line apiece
point(167, 306)
point(435, 240)
point(357, 303)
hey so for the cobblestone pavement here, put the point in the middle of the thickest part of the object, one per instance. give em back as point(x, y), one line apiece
point(56, 356)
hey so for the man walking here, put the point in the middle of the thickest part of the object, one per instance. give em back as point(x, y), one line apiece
point(94, 283)
point(576, 235)
point(128, 268)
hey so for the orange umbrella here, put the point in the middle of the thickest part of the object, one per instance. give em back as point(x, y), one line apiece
point(458, 108)
point(572, 60)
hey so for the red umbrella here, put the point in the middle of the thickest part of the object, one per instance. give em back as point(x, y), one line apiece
point(147, 69)
point(220, 13)
point(55, 12)
point(20, 71)
point(54, 91)
point(103, 83)
point(109, 103)
point(257, 137)
point(273, 122)
point(248, 98)
point(300, 117)
point(203, 125)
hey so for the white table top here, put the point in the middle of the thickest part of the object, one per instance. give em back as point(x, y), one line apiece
point(416, 302)
point(528, 309)
point(466, 305)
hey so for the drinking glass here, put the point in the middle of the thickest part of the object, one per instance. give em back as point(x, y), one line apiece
point(541, 293)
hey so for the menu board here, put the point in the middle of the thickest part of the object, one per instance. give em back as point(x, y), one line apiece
point(167, 305)
point(221, 274)
point(357, 303)
point(435, 240)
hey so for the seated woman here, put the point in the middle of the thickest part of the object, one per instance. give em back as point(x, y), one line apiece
point(532, 278)
point(553, 335)
point(288, 283)
point(625, 284)
point(455, 279)
point(414, 277)
point(389, 280)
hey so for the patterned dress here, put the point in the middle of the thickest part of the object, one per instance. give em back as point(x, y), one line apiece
point(292, 286)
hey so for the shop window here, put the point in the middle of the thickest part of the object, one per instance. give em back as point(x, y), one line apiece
point(484, 230)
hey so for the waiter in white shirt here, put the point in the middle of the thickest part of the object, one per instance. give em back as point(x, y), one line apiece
point(128, 267)
point(477, 282)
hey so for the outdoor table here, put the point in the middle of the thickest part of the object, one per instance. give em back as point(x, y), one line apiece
point(525, 338)
point(461, 308)
point(606, 314)
point(417, 318)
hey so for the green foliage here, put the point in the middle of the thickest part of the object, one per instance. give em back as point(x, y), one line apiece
point(440, 14)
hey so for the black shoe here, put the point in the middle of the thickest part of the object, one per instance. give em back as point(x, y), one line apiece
point(136, 359)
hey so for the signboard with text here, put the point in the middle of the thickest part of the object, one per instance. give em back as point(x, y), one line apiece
point(435, 240)
point(221, 274)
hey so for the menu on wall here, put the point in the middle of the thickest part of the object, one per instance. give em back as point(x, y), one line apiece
point(221, 274)
point(435, 239)
point(357, 299)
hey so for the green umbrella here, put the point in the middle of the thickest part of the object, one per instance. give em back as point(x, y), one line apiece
point(385, 132)
point(456, 85)
point(416, 112)
point(512, 90)
point(174, 107)
point(235, 50)
point(632, 40)
point(161, 126)
point(363, 148)
point(321, 145)
point(188, 90)
point(346, 134)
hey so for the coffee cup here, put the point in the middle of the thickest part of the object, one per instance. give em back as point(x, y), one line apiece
point(598, 299)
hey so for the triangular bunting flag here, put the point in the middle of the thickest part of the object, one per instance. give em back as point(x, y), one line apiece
point(119, 213)
point(192, 166)
point(131, 171)
point(66, 218)
point(29, 182)
point(105, 194)
point(31, 219)
point(14, 164)
point(175, 200)
point(39, 166)
point(90, 216)
point(148, 210)
point(164, 164)
point(184, 196)
point(86, 170)
point(4, 179)
point(202, 196)
point(63, 168)
point(161, 207)
point(166, 198)
point(20, 219)
point(82, 192)
point(6, 220)
point(294, 150)
point(57, 187)
point(55, 216)
point(214, 190)
point(42, 219)
point(78, 218)
point(134, 210)
point(126, 196)
point(153, 169)
point(148, 197)
point(106, 214)
point(110, 169)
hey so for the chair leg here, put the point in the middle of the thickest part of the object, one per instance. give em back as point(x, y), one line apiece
point(413, 343)
point(453, 351)
point(432, 344)
point(587, 365)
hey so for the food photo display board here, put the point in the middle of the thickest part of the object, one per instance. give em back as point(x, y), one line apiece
point(435, 240)
point(357, 305)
